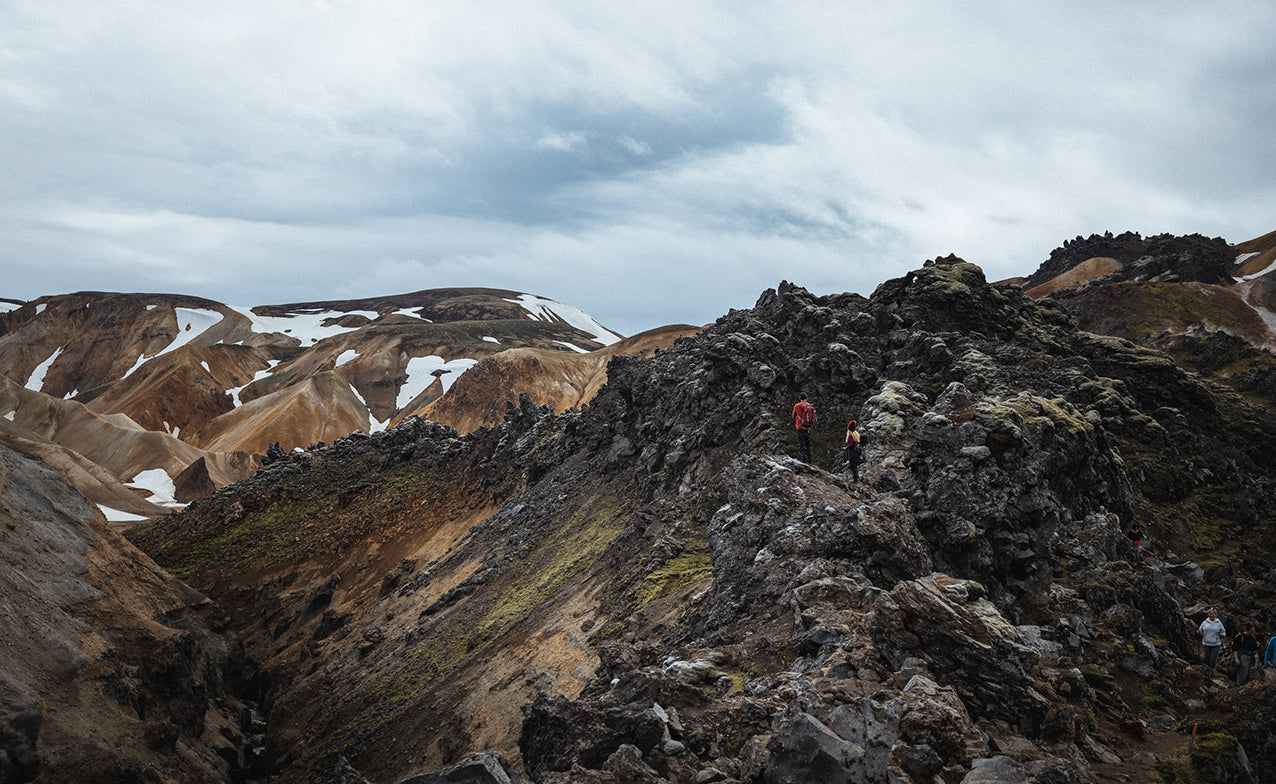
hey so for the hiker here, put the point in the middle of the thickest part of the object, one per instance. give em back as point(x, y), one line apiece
point(1269, 656)
point(1245, 653)
point(1108, 517)
point(854, 449)
point(804, 420)
point(1211, 632)
point(1136, 535)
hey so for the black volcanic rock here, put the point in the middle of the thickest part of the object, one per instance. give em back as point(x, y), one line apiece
point(665, 594)
point(1162, 257)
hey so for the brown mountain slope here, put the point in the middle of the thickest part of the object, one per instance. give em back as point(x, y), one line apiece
point(552, 378)
point(321, 408)
point(182, 390)
point(99, 486)
point(111, 441)
point(123, 673)
point(1264, 254)
point(1166, 289)
point(1084, 272)
point(209, 374)
point(95, 338)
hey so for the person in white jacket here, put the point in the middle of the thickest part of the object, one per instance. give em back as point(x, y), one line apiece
point(1211, 633)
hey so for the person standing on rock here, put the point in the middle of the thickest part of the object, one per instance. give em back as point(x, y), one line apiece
point(1136, 535)
point(1245, 653)
point(1211, 632)
point(804, 420)
point(854, 449)
point(1269, 656)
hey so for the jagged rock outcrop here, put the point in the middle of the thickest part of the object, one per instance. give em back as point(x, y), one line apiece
point(1161, 258)
point(672, 597)
point(1210, 305)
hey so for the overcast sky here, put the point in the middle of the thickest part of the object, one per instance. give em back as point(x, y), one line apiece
point(647, 162)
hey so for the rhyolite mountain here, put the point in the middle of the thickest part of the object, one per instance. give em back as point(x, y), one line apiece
point(108, 386)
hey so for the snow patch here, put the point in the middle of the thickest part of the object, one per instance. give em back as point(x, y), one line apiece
point(491, 339)
point(374, 425)
point(9, 416)
point(40, 308)
point(411, 313)
point(5, 307)
point(36, 382)
point(421, 372)
point(141, 360)
point(157, 482)
point(116, 516)
point(192, 323)
point(308, 327)
point(1267, 316)
point(345, 356)
point(260, 374)
point(548, 310)
point(1259, 274)
point(572, 346)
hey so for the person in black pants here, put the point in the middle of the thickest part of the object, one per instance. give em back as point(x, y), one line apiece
point(804, 420)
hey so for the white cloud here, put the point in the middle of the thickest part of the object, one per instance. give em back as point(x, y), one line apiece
point(647, 163)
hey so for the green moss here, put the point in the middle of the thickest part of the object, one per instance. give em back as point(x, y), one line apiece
point(685, 568)
point(1152, 702)
point(1211, 756)
point(492, 611)
point(1211, 746)
point(1204, 522)
point(257, 534)
point(738, 682)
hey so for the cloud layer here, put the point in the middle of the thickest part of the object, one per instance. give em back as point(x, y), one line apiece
point(650, 163)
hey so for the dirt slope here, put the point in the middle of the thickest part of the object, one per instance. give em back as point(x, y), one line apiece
point(121, 673)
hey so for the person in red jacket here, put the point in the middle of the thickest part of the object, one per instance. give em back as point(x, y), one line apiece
point(804, 420)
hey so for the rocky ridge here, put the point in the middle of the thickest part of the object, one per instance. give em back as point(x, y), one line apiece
point(668, 596)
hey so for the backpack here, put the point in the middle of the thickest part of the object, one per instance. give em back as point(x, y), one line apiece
point(805, 415)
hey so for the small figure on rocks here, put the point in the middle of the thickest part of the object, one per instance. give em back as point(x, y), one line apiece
point(854, 449)
point(1245, 653)
point(804, 420)
point(1211, 632)
point(1136, 535)
point(1109, 517)
point(1269, 656)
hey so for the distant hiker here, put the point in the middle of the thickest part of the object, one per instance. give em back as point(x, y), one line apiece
point(854, 449)
point(1211, 632)
point(1136, 535)
point(1269, 656)
point(804, 420)
point(1108, 517)
point(1245, 653)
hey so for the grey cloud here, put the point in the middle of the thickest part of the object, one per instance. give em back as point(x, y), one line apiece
point(650, 165)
